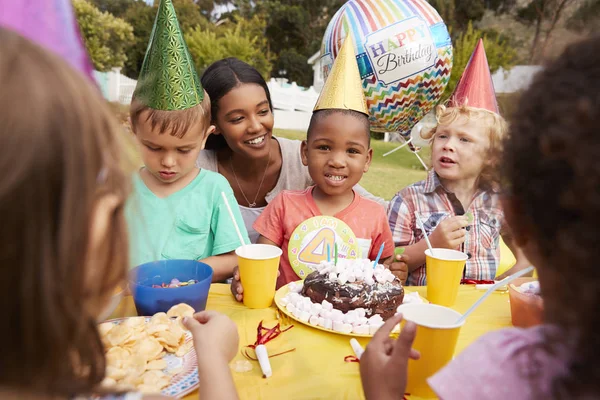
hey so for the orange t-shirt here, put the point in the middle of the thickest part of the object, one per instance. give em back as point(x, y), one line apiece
point(366, 218)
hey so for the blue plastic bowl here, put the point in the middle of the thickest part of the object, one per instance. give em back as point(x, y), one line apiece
point(149, 301)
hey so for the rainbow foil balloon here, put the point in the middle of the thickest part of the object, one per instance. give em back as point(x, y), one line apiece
point(404, 56)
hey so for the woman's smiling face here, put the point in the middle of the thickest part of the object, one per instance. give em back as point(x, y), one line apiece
point(245, 120)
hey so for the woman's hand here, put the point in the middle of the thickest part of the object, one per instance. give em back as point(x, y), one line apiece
point(383, 365)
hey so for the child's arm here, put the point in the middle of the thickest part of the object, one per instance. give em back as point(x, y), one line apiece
point(216, 338)
point(383, 365)
point(522, 261)
point(222, 265)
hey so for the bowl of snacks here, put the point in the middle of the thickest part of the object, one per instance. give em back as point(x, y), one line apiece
point(112, 305)
point(526, 304)
point(159, 285)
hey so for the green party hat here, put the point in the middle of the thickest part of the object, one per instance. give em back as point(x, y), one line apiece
point(168, 79)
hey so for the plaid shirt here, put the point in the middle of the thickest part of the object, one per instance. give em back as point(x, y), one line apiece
point(433, 203)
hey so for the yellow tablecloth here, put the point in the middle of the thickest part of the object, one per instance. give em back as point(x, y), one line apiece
point(317, 368)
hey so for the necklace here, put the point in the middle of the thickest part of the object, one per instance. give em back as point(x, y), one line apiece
point(253, 204)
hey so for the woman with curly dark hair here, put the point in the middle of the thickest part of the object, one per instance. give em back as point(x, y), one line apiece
point(551, 167)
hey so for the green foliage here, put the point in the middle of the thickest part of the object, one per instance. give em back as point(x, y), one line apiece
point(106, 37)
point(497, 48)
point(458, 13)
point(141, 17)
point(115, 7)
point(243, 40)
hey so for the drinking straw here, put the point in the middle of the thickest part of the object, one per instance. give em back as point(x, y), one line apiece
point(237, 228)
point(504, 281)
point(420, 223)
point(378, 255)
point(335, 253)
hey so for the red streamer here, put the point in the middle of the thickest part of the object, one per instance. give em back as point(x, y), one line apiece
point(265, 335)
point(476, 282)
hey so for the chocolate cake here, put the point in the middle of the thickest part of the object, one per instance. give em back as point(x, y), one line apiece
point(375, 290)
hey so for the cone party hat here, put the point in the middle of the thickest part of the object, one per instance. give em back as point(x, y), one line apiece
point(168, 79)
point(475, 87)
point(343, 88)
point(52, 25)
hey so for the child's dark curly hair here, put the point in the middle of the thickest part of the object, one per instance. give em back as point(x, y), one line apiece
point(551, 163)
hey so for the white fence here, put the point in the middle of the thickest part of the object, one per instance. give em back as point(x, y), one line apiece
point(117, 87)
point(293, 104)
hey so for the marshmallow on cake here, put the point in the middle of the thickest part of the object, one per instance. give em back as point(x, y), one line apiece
point(350, 297)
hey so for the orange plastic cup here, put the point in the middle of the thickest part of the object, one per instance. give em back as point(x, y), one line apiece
point(437, 334)
point(526, 310)
point(258, 264)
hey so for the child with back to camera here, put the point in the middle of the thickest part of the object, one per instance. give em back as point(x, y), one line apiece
point(64, 241)
point(552, 204)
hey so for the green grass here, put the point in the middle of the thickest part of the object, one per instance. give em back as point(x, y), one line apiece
point(387, 175)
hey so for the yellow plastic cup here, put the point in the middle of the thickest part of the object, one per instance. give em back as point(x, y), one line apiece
point(258, 264)
point(437, 333)
point(444, 272)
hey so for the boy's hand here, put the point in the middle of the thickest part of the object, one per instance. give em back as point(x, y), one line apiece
point(215, 335)
point(383, 365)
point(399, 267)
point(450, 234)
point(236, 285)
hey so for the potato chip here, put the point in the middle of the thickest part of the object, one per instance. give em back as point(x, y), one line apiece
point(182, 351)
point(148, 348)
point(105, 327)
point(119, 334)
point(134, 322)
point(154, 328)
point(135, 350)
point(115, 374)
point(156, 364)
point(117, 355)
point(180, 310)
point(159, 319)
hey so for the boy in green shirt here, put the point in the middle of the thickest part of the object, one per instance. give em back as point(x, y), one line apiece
point(176, 210)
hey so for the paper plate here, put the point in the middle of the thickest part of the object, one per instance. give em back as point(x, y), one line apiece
point(284, 290)
point(308, 243)
point(185, 381)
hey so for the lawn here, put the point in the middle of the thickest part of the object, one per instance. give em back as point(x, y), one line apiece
point(388, 174)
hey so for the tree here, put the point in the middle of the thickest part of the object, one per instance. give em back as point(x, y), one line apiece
point(587, 18)
point(243, 39)
point(115, 7)
point(458, 13)
point(498, 51)
point(545, 15)
point(106, 37)
point(141, 17)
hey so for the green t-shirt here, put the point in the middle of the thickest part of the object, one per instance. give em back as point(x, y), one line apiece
point(191, 224)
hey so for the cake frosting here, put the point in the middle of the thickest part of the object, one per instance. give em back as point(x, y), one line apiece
point(349, 297)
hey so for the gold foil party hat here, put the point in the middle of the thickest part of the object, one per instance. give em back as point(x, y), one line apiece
point(343, 88)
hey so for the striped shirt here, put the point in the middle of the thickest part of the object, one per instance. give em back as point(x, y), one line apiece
point(432, 203)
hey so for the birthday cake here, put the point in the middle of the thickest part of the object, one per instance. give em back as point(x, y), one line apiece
point(350, 297)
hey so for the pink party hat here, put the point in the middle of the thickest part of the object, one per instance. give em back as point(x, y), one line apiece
point(475, 87)
point(51, 24)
